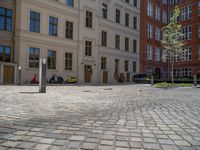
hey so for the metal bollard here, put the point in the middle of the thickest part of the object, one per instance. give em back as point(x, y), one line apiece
point(152, 81)
point(42, 75)
point(195, 80)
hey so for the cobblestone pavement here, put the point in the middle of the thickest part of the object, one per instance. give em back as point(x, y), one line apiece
point(130, 117)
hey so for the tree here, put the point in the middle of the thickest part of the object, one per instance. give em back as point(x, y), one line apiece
point(173, 41)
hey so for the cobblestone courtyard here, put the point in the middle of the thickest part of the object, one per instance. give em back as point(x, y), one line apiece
point(100, 117)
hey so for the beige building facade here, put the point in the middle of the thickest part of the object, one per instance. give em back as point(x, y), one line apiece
point(93, 40)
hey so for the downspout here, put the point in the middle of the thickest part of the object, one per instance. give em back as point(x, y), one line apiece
point(79, 11)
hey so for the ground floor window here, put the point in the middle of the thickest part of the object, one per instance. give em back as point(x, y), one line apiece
point(68, 61)
point(176, 73)
point(134, 66)
point(51, 59)
point(103, 63)
point(186, 72)
point(34, 55)
point(126, 66)
point(5, 53)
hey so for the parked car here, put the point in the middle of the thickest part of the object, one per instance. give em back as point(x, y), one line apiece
point(70, 79)
point(141, 78)
point(56, 79)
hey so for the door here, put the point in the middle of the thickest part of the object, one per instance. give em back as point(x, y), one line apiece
point(128, 77)
point(8, 75)
point(105, 76)
point(88, 73)
point(158, 73)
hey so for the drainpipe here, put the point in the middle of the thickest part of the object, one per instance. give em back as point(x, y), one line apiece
point(79, 11)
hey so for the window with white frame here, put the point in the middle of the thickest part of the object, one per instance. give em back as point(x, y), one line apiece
point(164, 55)
point(176, 73)
point(157, 54)
point(176, 57)
point(164, 1)
point(164, 17)
point(186, 72)
point(149, 31)
point(157, 33)
point(186, 12)
point(199, 30)
point(150, 8)
point(149, 52)
point(157, 16)
point(199, 8)
point(187, 54)
point(187, 32)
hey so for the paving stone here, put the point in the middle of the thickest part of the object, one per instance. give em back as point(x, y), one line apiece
point(106, 142)
point(170, 147)
point(89, 146)
point(41, 147)
point(151, 146)
point(77, 138)
point(26, 145)
point(10, 143)
point(135, 144)
point(182, 143)
point(102, 147)
point(121, 144)
point(165, 141)
point(46, 141)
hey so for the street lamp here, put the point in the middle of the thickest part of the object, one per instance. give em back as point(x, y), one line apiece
point(19, 74)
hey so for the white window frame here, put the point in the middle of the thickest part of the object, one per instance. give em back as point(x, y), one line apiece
point(157, 15)
point(157, 34)
point(149, 31)
point(164, 17)
point(157, 54)
point(150, 8)
point(149, 52)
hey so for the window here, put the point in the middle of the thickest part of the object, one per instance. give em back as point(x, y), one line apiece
point(126, 44)
point(127, 19)
point(5, 19)
point(150, 8)
point(135, 3)
point(51, 59)
point(186, 72)
point(157, 16)
point(53, 26)
point(104, 38)
point(164, 17)
point(164, 55)
point(69, 30)
point(157, 33)
point(127, 1)
point(164, 1)
point(134, 66)
point(5, 54)
point(149, 31)
point(176, 57)
point(187, 54)
point(126, 66)
point(68, 61)
point(88, 19)
point(117, 41)
point(70, 3)
point(34, 22)
point(135, 46)
point(199, 30)
point(135, 22)
point(199, 8)
point(199, 52)
point(176, 73)
point(157, 54)
point(103, 63)
point(186, 13)
point(187, 31)
point(88, 48)
point(104, 11)
point(34, 56)
point(117, 16)
point(149, 52)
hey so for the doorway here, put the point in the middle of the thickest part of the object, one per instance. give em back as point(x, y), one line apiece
point(105, 76)
point(88, 73)
point(8, 75)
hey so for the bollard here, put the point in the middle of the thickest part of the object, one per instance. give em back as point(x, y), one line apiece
point(152, 81)
point(195, 80)
point(42, 75)
point(19, 74)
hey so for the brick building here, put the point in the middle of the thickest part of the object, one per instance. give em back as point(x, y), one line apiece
point(154, 15)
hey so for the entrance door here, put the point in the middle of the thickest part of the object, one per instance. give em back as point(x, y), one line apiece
point(158, 73)
point(88, 73)
point(8, 75)
point(127, 77)
point(105, 76)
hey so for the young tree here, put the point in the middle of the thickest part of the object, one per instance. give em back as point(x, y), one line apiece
point(173, 41)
